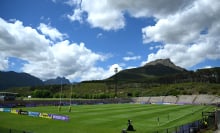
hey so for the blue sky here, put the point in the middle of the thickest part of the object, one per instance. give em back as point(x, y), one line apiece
point(86, 40)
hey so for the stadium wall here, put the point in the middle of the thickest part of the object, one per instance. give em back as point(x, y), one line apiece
point(181, 99)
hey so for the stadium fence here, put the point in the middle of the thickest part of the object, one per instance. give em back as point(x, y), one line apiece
point(193, 127)
point(209, 121)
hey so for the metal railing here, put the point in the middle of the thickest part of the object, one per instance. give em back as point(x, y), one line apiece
point(208, 121)
point(193, 127)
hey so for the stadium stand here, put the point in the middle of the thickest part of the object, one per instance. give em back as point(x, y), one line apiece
point(186, 99)
point(181, 99)
point(142, 100)
point(158, 99)
point(7, 96)
point(170, 99)
point(216, 100)
point(204, 99)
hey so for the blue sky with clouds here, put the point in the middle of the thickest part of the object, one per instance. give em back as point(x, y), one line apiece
point(87, 39)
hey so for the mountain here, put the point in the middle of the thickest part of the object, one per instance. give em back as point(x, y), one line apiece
point(14, 79)
point(165, 62)
point(211, 75)
point(56, 81)
point(155, 69)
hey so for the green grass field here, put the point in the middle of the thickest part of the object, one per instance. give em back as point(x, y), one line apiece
point(106, 118)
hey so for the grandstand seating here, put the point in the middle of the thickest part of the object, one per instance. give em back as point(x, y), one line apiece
point(170, 99)
point(216, 100)
point(181, 99)
point(158, 99)
point(142, 100)
point(186, 99)
point(204, 99)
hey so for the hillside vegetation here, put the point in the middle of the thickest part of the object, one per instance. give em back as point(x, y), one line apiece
point(107, 90)
point(160, 77)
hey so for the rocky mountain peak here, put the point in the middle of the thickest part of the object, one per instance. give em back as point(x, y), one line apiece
point(57, 81)
point(166, 62)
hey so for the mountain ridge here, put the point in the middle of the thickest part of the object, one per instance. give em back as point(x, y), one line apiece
point(152, 70)
point(165, 62)
point(158, 71)
point(58, 80)
point(14, 79)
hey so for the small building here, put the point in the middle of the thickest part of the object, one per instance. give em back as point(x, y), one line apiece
point(7, 96)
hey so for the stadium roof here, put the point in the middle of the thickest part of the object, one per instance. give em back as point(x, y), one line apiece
point(8, 93)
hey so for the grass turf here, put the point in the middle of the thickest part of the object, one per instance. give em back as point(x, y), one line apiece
point(106, 118)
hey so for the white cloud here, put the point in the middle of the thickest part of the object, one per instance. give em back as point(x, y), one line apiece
point(97, 73)
point(24, 42)
point(207, 67)
point(188, 55)
point(51, 32)
point(46, 61)
point(73, 2)
point(180, 32)
point(76, 16)
point(112, 68)
point(151, 48)
point(129, 58)
point(110, 15)
point(156, 47)
point(67, 60)
point(54, 1)
point(101, 14)
point(100, 35)
point(177, 25)
point(184, 28)
point(131, 67)
point(130, 53)
point(3, 62)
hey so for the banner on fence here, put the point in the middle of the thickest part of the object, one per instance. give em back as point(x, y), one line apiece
point(6, 110)
point(45, 115)
point(34, 114)
point(14, 111)
point(60, 117)
point(22, 112)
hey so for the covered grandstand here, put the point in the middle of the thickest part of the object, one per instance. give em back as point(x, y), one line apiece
point(7, 96)
point(180, 99)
